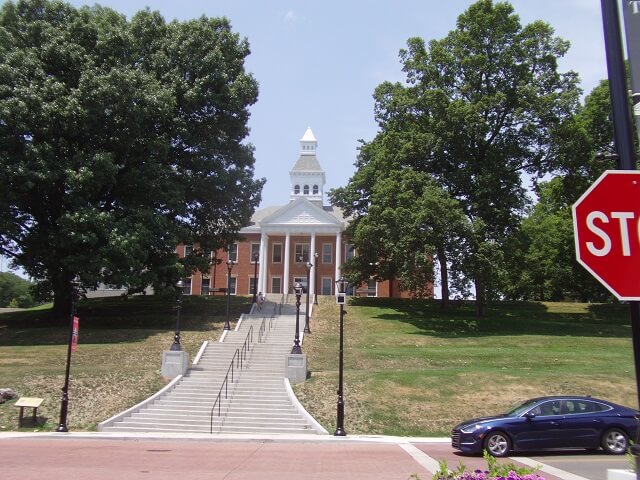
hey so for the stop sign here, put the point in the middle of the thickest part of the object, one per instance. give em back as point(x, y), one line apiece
point(606, 227)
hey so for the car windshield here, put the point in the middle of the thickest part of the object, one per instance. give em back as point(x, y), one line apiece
point(519, 408)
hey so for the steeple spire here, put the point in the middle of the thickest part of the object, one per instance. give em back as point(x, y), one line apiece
point(307, 177)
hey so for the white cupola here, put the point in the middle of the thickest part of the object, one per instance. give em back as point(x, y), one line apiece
point(307, 177)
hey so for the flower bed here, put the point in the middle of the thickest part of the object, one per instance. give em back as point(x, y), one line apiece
point(494, 471)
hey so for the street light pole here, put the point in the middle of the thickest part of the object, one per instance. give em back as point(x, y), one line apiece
point(176, 338)
point(315, 284)
point(255, 277)
point(342, 288)
point(306, 312)
point(230, 264)
point(64, 404)
point(297, 288)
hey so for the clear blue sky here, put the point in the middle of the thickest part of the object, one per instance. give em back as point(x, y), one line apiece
point(318, 63)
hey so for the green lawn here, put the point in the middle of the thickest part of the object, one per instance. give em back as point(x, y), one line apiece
point(412, 369)
point(118, 359)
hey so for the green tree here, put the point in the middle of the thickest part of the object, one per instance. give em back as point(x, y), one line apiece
point(118, 140)
point(479, 108)
point(410, 222)
point(542, 264)
point(541, 260)
point(15, 291)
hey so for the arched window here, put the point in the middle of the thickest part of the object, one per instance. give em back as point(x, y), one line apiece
point(315, 189)
point(296, 190)
point(306, 190)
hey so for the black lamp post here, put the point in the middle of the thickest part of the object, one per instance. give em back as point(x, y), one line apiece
point(297, 288)
point(341, 285)
point(176, 338)
point(64, 404)
point(306, 312)
point(255, 277)
point(315, 281)
point(230, 264)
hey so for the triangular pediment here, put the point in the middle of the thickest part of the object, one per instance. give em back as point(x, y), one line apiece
point(300, 212)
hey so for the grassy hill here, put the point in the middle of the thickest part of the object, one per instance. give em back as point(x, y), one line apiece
point(410, 368)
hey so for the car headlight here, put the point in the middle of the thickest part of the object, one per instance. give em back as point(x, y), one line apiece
point(469, 428)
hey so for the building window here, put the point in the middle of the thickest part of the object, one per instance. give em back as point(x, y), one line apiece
point(204, 287)
point(372, 288)
point(276, 255)
point(188, 250)
point(302, 253)
point(296, 190)
point(276, 285)
point(315, 189)
point(302, 281)
point(306, 190)
point(232, 285)
point(349, 251)
point(255, 250)
point(233, 252)
point(186, 290)
point(327, 285)
point(327, 253)
point(252, 285)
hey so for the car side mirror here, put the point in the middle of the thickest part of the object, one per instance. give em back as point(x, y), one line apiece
point(530, 415)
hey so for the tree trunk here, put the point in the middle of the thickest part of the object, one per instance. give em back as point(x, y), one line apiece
point(444, 279)
point(62, 295)
point(480, 297)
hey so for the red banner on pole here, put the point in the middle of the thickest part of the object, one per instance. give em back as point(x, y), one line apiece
point(74, 334)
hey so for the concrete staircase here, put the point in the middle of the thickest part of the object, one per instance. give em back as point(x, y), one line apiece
point(257, 400)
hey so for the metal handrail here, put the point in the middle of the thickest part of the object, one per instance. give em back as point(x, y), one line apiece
point(225, 385)
point(239, 355)
point(263, 327)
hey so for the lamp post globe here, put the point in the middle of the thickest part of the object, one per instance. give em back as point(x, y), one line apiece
point(230, 264)
point(306, 311)
point(341, 287)
point(176, 337)
point(297, 288)
point(315, 280)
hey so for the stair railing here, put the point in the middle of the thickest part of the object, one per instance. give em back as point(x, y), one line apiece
point(225, 385)
point(262, 331)
point(238, 357)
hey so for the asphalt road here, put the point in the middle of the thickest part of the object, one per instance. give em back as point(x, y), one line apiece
point(591, 465)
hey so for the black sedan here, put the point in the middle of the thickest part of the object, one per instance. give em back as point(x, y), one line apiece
point(550, 423)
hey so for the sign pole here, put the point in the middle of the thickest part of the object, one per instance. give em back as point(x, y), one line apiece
point(631, 16)
point(624, 146)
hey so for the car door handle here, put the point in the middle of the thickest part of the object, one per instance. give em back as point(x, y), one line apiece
point(555, 424)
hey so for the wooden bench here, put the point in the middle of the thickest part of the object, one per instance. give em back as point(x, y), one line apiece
point(28, 402)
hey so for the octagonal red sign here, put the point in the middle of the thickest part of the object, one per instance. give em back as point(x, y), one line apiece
point(606, 227)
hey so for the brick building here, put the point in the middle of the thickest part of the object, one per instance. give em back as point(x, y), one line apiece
point(284, 239)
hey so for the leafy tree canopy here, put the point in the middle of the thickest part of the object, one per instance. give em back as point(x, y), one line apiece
point(118, 140)
point(479, 108)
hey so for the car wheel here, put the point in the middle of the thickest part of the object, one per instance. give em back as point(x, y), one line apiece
point(497, 444)
point(615, 441)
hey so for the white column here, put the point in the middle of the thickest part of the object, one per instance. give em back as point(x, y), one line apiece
point(338, 255)
point(287, 243)
point(312, 273)
point(264, 259)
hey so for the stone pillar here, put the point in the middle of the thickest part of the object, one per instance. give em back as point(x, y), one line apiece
point(287, 247)
point(312, 273)
point(262, 267)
